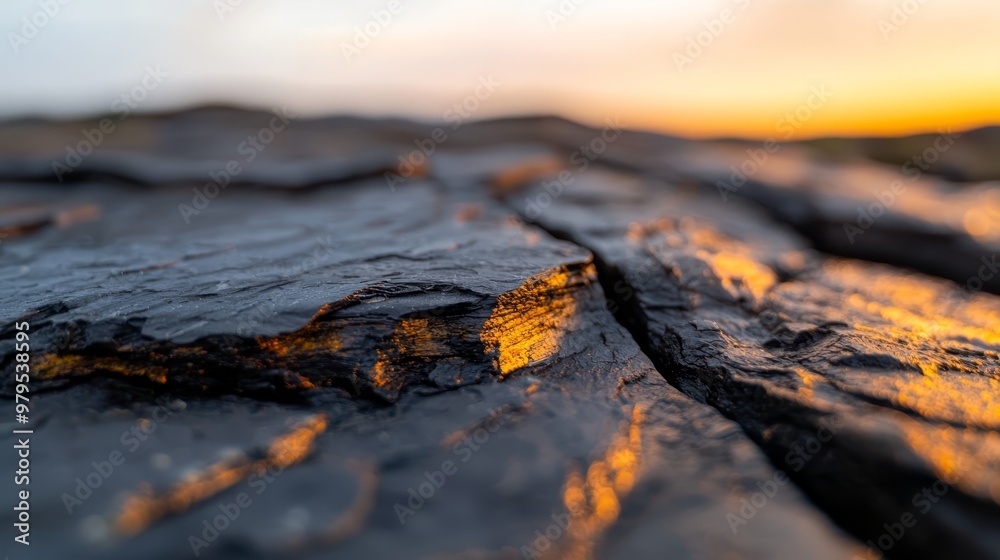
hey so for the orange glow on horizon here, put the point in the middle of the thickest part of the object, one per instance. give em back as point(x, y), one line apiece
point(939, 69)
point(672, 67)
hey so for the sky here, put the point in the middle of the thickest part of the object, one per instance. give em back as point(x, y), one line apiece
point(788, 69)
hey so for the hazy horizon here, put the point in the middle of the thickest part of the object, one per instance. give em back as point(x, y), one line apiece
point(721, 68)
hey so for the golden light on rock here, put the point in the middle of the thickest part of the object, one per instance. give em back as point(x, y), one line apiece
point(143, 508)
point(382, 374)
point(739, 274)
point(966, 459)
point(316, 336)
point(52, 366)
point(593, 498)
point(422, 336)
point(527, 324)
point(918, 308)
point(965, 399)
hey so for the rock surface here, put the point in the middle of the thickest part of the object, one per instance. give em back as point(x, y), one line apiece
point(492, 352)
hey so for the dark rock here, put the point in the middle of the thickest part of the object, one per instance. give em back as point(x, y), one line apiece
point(902, 367)
point(343, 324)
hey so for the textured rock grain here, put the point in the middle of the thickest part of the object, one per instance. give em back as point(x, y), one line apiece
point(407, 367)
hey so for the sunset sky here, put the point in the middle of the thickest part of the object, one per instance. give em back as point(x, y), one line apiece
point(758, 61)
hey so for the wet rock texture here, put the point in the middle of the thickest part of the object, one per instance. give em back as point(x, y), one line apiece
point(505, 349)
